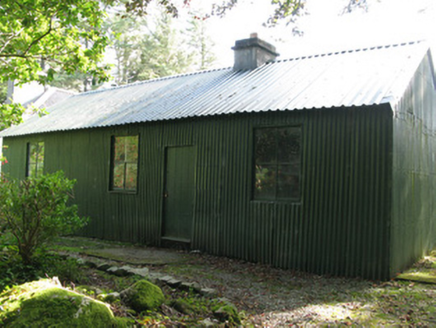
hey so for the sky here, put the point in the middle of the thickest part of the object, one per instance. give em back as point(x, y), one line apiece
point(385, 22)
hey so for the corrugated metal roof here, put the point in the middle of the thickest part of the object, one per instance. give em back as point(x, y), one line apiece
point(348, 78)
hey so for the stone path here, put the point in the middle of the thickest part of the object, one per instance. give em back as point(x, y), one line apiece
point(127, 270)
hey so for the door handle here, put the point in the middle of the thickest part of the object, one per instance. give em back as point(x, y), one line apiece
point(165, 195)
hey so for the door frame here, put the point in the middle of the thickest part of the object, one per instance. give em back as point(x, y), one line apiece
point(169, 240)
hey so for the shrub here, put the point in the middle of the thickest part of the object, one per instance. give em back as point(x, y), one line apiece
point(36, 210)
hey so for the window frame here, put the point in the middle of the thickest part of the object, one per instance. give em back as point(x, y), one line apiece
point(112, 166)
point(28, 159)
point(255, 198)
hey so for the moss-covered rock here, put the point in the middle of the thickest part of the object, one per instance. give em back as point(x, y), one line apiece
point(227, 312)
point(143, 296)
point(44, 303)
point(109, 298)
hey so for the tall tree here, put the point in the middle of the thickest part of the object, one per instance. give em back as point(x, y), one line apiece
point(147, 48)
point(163, 50)
point(125, 33)
point(200, 43)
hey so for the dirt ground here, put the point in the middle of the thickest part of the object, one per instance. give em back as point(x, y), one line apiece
point(272, 297)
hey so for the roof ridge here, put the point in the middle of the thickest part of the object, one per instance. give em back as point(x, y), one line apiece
point(343, 51)
point(153, 80)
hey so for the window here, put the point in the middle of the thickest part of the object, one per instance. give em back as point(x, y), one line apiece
point(277, 163)
point(124, 170)
point(35, 159)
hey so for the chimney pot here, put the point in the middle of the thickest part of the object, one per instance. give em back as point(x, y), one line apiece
point(252, 53)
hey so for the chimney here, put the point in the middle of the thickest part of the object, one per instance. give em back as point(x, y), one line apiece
point(252, 53)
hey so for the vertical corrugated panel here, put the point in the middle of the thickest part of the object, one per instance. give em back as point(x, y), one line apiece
point(338, 227)
point(414, 171)
point(344, 150)
point(208, 223)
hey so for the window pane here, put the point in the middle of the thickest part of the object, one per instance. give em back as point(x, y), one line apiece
point(132, 149)
point(277, 163)
point(295, 191)
point(118, 182)
point(288, 182)
point(40, 159)
point(119, 149)
point(265, 182)
point(131, 174)
point(33, 153)
point(39, 169)
point(35, 159)
point(265, 146)
point(125, 158)
point(32, 170)
point(289, 145)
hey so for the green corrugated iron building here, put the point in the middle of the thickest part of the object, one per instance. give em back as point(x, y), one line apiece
point(323, 163)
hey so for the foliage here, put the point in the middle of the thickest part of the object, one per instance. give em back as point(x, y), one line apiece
point(3, 92)
point(154, 47)
point(46, 32)
point(78, 81)
point(35, 34)
point(164, 54)
point(10, 114)
point(355, 4)
point(36, 209)
point(125, 37)
point(13, 271)
point(200, 42)
point(283, 9)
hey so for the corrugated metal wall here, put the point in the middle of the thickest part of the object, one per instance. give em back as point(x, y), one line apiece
point(414, 170)
point(340, 226)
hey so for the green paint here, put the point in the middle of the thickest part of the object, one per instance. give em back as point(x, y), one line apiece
point(179, 193)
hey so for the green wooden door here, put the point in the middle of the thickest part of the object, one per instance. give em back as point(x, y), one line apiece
point(179, 193)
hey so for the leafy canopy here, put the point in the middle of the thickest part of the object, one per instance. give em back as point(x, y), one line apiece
point(39, 33)
point(35, 33)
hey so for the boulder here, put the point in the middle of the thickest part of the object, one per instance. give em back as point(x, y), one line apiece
point(209, 292)
point(227, 312)
point(109, 298)
point(46, 304)
point(143, 272)
point(120, 272)
point(103, 266)
point(190, 286)
point(143, 296)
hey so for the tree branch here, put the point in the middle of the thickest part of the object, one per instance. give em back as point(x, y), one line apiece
point(41, 37)
point(12, 36)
